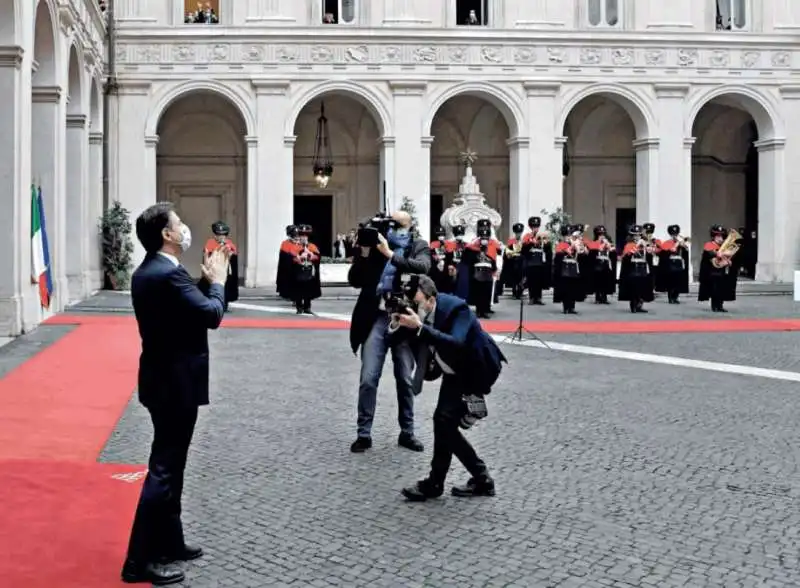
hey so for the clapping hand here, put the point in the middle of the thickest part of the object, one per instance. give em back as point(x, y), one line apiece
point(216, 265)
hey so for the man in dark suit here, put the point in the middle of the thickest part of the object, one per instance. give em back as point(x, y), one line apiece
point(173, 317)
point(378, 271)
point(448, 329)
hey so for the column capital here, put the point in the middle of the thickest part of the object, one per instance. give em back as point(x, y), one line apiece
point(408, 87)
point(46, 94)
point(671, 90)
point(133, 88)
point(11, 57)
point(689, 142)
point(76, 121)
point(95, 138)
point(790, 92)
point(386, 141)
point(646, 144)
point(542, 88)
point(560, 142)
point(427, 142)
point(270, 87)
point(251, 140)
point(151, 141)
point(774, 144)
point(519, 142)
point(289, 141)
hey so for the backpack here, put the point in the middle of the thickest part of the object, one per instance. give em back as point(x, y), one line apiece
point(487, 361)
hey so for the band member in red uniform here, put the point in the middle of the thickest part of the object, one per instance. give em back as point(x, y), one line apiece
point(648, 234)
point(438, 260)
point(568, 284)
point(511, 276)
point(283, 280)
point(537, 260)
point(221, 239)
point(602, 265)
point(306, 284)
point(672, 273)
point(635, 280)
point(454, 250)
point(717, 271)
point(479, 264)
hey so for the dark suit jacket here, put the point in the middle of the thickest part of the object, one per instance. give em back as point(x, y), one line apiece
point(365, 273)
point(173, 318)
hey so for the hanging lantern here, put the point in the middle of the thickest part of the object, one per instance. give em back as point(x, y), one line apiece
point(323, 162)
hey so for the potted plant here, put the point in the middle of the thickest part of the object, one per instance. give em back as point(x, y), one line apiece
point(116, 229)
point(408, 206)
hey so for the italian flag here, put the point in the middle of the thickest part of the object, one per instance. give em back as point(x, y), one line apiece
point(38, 263)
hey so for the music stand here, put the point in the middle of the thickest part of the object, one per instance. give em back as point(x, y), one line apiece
point(520, 333)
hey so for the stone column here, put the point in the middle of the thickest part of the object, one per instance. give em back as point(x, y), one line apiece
point(518, 189)
point(95, 252)
point(76, 209)
point(545, 155)
point(250, 254)
point(408, 163)
point(386, 171)
point(790, 108)
point(671, 200)
point(45, 142)
point(14, 195)
point(775, 263)
point(647, 187)
point(131, 159)
point(271, 205)
point(425, 171)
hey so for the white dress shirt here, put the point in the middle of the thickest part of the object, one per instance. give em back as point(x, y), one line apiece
point(171, 257)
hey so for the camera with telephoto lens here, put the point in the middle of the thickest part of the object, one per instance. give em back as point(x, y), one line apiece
point(400, 302)
point(368, 231)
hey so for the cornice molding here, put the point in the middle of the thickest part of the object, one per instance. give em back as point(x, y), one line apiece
point(77, 121)
point(646, 144)
point(151, 141)
point(11, 57)
point(543, 88)
point(427, 142)
point(289, 141)
point(134, 87)
point(408, 87)
point(95, 138)
point(269, 87)
point(671, 90)
point(518, 143)
point(775, 144)
point(46, 94)
point(386, 141)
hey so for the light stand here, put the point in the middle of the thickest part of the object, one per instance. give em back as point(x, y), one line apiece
point(521, 333)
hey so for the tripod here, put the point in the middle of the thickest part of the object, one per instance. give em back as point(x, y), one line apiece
point(520, 333)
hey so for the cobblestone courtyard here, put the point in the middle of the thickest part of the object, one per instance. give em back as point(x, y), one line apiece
point(609, 472)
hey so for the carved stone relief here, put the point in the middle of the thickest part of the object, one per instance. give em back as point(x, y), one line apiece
point(287, 54)
point(392, 54)
point(358, 54)
point(426, 55)
point(750, 58)
point(687, 57)
point(524, 55)
point(320, 54)
point(719, 58)
point(220, 53)
point(591, 56)
point(492, 54)
point(458, 54)
point(781, 59)
point(622, 56)
point(655, 57)
point(183, 53)
point(253, 53)
point(556, 54)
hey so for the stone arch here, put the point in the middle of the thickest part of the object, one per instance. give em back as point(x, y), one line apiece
point(377, 106)
point(634, 103)
point(75, 96)
point(172, 94)
point(756, 104)
point(9, 22)
point(500, 98)
point(45, 46)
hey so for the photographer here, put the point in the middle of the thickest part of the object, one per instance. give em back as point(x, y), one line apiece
point(387, 251)
point(453, 345)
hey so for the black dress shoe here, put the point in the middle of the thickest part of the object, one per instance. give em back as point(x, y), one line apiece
point(422, 491)
point(361, 444)
point(410, 442)
point(151, 573)
point(475, 487)
point(188, 553)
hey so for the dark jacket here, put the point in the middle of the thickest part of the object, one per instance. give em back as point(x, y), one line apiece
point(173, 317)
point(365, 273)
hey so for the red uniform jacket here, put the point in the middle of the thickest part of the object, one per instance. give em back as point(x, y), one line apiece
point(212, 245)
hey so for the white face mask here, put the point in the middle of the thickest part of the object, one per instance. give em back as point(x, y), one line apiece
point(186, 238)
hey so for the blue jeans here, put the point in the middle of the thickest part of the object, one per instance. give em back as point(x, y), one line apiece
point(373, 356)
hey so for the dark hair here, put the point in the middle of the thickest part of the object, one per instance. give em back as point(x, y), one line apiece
point(427, 286)
point(151, 223)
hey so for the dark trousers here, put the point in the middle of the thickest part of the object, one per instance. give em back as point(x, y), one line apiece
point(482, 294)
point(157, 529)
point(673, 294)
point(447, 438)
point(302, 303)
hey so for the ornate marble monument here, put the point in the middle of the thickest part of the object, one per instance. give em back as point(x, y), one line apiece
point(469, 205)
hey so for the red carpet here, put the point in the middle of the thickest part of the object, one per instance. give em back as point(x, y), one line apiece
point(62, 524)
point(710, 325)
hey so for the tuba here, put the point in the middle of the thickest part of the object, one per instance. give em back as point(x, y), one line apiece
point(727, 250)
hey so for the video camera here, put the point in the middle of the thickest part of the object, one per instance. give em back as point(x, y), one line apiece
point(400, 302)
point(378, 225)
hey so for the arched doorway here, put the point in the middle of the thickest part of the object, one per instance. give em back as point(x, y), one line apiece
point(356, 188)
point(95, 189)
point(201, 167)
point(725, 176)
point(600, 167)
point(45, 125)
point(470, 122)
point(77, 199)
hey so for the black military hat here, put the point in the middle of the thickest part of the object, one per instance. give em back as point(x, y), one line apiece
point(305, 229)
point(518, 227)
point(717, 230)
point(599, 230)
point(290, 229)
point(534, 222)
point(635, 230)
point(580, 228)
point(484, 223)
point(459, 230)
point(219, 228)
point(649, 228)
point(565, 230)
point(440, 231)
point(673, 230)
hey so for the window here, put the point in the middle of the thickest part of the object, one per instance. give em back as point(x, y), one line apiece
point(195, 12)
point(338, 11)
point(472, 13)
point(603, 13)
point(731, 15)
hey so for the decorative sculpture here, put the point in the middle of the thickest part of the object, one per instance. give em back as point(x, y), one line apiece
point(469, 205)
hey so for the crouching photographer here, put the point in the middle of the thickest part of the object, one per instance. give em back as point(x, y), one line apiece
point(451, 345)
point(386, 252)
